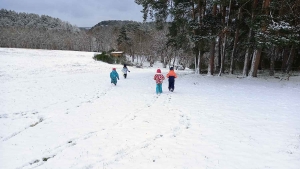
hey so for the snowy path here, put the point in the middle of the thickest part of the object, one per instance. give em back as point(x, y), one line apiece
point(62, 112)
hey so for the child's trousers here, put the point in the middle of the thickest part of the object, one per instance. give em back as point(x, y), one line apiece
point(158, 88)
point(114, 81)
point(171, 84)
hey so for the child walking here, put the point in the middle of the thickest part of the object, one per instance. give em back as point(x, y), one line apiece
point(159, 78)
point(125, 70)
point(114, 76)
point(171, 75)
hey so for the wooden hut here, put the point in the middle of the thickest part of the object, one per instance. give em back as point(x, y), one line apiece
point(117, 54)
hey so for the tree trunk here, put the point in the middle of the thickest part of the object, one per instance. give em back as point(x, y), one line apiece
point(257, 52)
point(195, 33)
point(272, 61)
point(223, 8)
point(199, 61)
point(255, 62)
point(223, 55)
point(174, 58)
point(196, 62)
point(236, 38)
point(285, 55)
point(290, 60)
point(212, 57)
point(225, 38)
point(132, 56)
point(212, 48)
point(166, 60)
point(219, 55)
point(247, 55)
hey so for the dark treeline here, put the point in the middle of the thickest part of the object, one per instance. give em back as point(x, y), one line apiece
point(210, 36)
point(231, 35)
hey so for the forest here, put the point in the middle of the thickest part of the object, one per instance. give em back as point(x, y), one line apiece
point(214, 37)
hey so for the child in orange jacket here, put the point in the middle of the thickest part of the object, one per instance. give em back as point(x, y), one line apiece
point(159, 78)
point(171, 75)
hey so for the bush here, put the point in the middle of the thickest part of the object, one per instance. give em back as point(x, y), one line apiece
point(104, 58)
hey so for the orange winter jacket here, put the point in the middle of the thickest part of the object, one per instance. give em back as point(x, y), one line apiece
point(171, 73)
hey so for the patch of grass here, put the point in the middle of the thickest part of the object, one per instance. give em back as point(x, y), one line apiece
point(104, 58)
point(35, 161)
point(32, 125)
point(46, 158)
point(36, 123)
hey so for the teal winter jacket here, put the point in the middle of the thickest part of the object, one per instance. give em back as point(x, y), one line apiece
point(114, 76)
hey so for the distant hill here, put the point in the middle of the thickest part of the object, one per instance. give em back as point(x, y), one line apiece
point(85, 28)
point(126, 23)
point(9, 18)
point(115, 22)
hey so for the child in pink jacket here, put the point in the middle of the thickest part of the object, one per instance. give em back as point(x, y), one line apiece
point(159, 78)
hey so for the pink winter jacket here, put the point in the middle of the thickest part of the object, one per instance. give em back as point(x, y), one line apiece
point(158, 77)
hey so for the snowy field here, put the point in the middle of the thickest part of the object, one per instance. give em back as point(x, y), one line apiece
point(59, 110)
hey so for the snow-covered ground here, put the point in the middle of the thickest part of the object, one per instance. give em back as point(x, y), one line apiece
point(59, 110)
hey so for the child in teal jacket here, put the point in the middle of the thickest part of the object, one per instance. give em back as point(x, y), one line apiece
point(114, 76)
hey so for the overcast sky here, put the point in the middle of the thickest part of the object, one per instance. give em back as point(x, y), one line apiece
point(82, 13)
